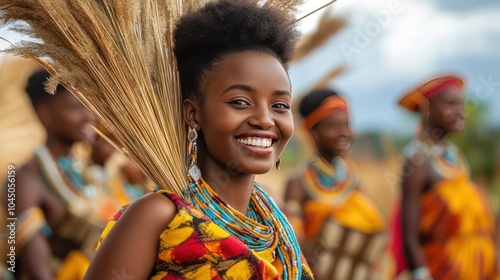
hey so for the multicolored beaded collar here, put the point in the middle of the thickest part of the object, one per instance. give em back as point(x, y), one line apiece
point(264, 226)
point(330, 183)
point(67, 189)
point(445, 158)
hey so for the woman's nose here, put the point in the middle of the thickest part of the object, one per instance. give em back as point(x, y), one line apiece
point(262, 118)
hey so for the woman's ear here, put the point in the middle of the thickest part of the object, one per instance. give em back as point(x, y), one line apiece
point(44, 115)
point(191, 112)
point(314, 135)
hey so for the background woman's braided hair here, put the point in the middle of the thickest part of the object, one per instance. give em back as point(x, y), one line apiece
point(203, 37)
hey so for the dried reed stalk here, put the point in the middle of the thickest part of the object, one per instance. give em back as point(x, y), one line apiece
point(116, 57)
point(325, 80)
point(328, 27)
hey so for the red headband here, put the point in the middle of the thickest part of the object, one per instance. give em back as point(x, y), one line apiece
point(414, 99)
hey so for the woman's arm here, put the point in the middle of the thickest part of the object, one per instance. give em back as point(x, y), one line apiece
point(295, 197)
point(130, 249)
point(35, 254)
point(413, 185)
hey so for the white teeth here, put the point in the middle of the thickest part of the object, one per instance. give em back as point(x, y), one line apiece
point(256, 141)
point(346, 144)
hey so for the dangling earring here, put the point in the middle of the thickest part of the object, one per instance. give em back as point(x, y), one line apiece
point(427, 111)
point(278, 164)
point(192, 160)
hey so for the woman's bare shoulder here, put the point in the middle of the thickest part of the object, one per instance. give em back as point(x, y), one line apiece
point(153, 209)
point(132, 244)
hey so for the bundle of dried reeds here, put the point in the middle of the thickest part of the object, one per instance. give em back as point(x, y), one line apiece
point(328, 27)
point(116, 57)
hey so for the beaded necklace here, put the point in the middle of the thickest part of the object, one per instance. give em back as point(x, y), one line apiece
point(263, 227)
point(72, 169)
point(52, 175)
point(445, 159)
point(67, 173)
point(329, 183)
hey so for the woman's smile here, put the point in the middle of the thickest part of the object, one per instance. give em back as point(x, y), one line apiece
point(257, 143)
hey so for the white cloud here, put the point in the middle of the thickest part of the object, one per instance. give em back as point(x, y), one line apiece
point(417, 37)
point(422, 36)
point(421, 39)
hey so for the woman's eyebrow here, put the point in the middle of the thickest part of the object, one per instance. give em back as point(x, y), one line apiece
point(250, 89)
point(238, 86)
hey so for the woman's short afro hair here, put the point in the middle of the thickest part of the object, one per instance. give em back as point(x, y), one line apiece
point(202, 37)
point(313, 100)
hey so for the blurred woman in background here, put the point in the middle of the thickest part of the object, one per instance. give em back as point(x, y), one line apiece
point(445, 222)
point(56, 223)
point(340, 230)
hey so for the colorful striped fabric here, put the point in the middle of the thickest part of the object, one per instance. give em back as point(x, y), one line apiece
point(30, 222)
point(333, 194)
point(194, 247)
point(344, 232)
point(456, 225)
point(456, 232)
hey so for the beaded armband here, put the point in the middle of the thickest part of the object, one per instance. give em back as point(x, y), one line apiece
point(29, 223)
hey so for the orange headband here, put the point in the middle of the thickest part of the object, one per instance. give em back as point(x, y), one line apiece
point(329, 105)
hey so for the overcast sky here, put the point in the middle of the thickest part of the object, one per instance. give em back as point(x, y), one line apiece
point(392, 45)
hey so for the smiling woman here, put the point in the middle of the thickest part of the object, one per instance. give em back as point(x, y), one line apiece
point(245, 118)
point(236, 105)
point(235, 98)
point(443, 227)
point(340, 230)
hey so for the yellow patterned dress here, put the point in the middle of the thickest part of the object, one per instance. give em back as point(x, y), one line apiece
point(456, 225)
point(194, 247)
point(343, 231)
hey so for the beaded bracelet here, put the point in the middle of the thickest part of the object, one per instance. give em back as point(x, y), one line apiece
point(421, 273)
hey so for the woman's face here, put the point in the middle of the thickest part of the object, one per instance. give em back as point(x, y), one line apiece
point(446, 110)
point(245, 118)
point(66, 118)
point(333, 135)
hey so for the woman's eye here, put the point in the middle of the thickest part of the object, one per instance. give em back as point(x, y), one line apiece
point(239, 102)
point(281, 106)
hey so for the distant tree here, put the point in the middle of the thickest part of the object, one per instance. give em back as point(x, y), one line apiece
point(479, 142)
